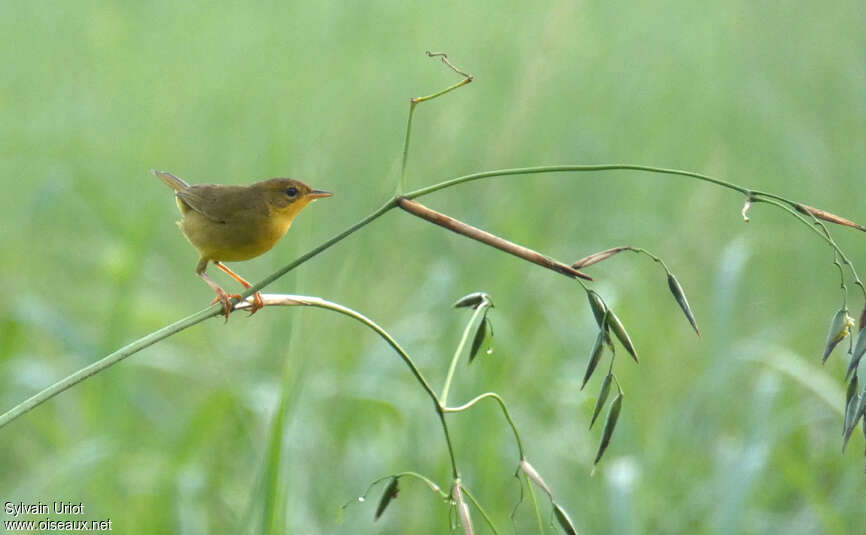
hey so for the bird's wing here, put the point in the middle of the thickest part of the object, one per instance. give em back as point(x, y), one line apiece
point(216, 203)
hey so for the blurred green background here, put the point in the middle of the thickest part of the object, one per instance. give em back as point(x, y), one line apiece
point(268, 425)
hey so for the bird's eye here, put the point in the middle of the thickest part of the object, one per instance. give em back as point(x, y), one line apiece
point(292, 192)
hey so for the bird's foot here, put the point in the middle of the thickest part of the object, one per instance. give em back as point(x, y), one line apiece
point(226, 300)
point(258, 303)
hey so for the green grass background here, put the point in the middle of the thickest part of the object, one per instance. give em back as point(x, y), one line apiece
point(268, 425)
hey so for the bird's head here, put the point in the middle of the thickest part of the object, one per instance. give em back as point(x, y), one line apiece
point(286, 197)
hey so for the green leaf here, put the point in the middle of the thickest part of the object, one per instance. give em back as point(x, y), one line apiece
point(564, 521)
point(840, 327)
point(480, 336)
point(597, 306)
point(602, 398)
point(680, 296)
point(619, 330)
point(853, 411)
point(609, 426)
point(594, 357)
point(390, 493)
point(859, 350)
point(852, 418)
point(473, 300)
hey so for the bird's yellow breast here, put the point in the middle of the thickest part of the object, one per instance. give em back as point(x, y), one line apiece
point(232, 241)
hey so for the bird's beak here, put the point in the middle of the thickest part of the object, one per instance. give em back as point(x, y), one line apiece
point(319, 194)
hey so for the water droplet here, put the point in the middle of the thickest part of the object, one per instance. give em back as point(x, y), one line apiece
point(361, 499)
point(490, 351)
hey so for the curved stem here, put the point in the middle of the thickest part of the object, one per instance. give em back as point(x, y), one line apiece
point(825, 235)
point(501, 403)
point(433, 486)
point(571, 168)
point(443, 398)
point(346, 311)
point(215, 310)
point(535, 504)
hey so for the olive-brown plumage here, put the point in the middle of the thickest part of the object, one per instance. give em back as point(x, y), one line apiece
point(231, 223)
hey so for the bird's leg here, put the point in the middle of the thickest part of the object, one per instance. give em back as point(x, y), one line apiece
point(258, 302)
point(222, 296)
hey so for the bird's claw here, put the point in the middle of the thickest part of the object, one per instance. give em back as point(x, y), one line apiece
point(258, 303)
point(226, 300)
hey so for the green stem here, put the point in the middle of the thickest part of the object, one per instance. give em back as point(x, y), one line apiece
point(501, 403)
point(402, 185)
point(570, 168)
point(113, 358)
point(412, 104)
point(535, 504)
point(322, 303)
point(813, 225)
point(461, 83)
point(215, 310)
point(318, 249)
point(433, 486)
point(641, 250)
point(443, 398)
point(454, 471)
point(481, 510)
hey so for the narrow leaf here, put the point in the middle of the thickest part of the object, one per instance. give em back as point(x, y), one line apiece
point(564, 521)
point(598, 308)
point(840, 327)
point(480, 336)
point(680, 296)
point(852, 388)
point(852, 410)
point(473, 300)
point(390, 493)
point(859, 350)
point(862, 322)
point(619, 330)
point(609, 426)
point(594, 357)
point(602, 398)
point(595, 258)
point(827, 216)
point(852, 418)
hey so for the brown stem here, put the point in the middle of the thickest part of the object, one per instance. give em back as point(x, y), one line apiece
point(459, 227)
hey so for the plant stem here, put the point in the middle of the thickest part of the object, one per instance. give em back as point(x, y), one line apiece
point(825, 235)
point(443, 398)
point(454, 471)
point(502, 405)
point(113, 358)
point(569, 168)
point(433, 486)
point(318, 249)
point(401, 186)
point(215, 310)
point(290, 300)
point(534, 504)
point(481, 510)
point(485, 237)
point(413, 102)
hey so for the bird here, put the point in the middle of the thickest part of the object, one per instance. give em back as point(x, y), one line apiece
point(233, 223)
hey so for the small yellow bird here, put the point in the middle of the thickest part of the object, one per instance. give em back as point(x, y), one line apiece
point(230, 223)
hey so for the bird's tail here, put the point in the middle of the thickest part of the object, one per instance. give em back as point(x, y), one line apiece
point(170, 180)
